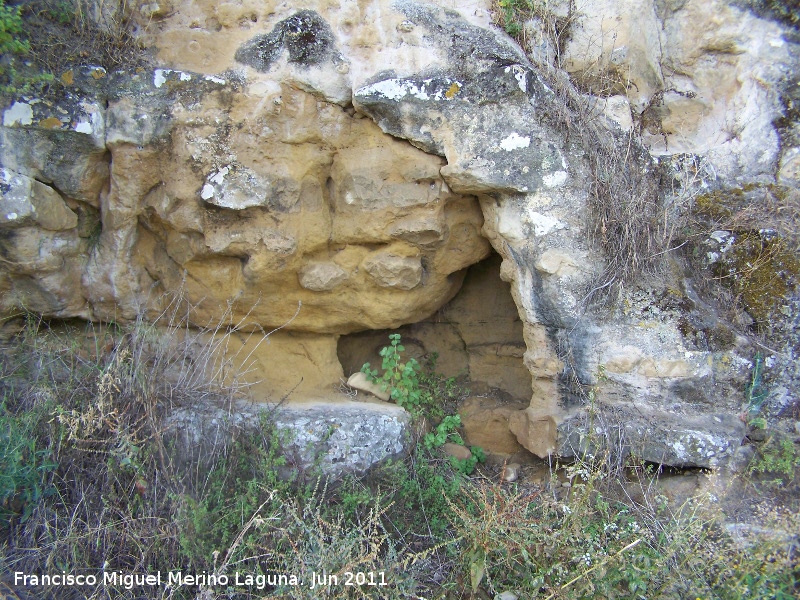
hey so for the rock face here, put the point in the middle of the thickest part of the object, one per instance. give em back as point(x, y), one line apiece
point(336, 169)
point(332, 438)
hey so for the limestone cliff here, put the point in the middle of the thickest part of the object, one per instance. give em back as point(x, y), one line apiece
point(337, 169)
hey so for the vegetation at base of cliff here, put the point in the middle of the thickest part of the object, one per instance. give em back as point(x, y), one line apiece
point(42, 40)
point(93, 483)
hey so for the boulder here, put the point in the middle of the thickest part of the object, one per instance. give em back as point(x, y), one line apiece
point(709, 440)
point(331, 437)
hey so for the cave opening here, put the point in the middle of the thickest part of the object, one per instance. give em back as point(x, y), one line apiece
point(477, 336)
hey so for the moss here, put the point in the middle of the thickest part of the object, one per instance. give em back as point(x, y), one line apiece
point(762, 266)
point(763, 272)
point(724, 203)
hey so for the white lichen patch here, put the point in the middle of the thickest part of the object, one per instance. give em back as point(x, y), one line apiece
point(519, 75)
point(235, 187)
point(217, 178)
point(12, 216)
point(543, 224)
point(555, 179)
point(20, 113)
point(215, 79)
point(84, 127)
point(398, 89)
point(680, 451)
point(207, 192)
point(514, 142)
point(160, 76)
point(517, 223)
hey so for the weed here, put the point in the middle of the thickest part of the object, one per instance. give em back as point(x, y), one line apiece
point(24, 466)
point(756, 392)
point(420, 391)
point(399, 378)
point(91, 419)
point(14, 46)
point(447, 431)
point(444, 432)
point(44, 39)
point(777, 455)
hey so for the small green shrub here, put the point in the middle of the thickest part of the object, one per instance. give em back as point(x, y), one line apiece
point(777, 455)
point(423, 490)
point(446, 431)
point(11, 30)
point(515, 13)
point(421, 391)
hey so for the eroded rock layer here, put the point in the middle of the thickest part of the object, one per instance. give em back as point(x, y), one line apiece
point(336, 169)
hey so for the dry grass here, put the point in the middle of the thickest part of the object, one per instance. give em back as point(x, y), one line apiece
point(626, 211)
point(67, 33)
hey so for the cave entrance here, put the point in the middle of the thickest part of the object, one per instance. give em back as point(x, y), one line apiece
point(477, 335)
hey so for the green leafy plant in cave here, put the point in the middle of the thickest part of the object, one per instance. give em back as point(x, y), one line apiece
point(447, 431)
point(400, 379)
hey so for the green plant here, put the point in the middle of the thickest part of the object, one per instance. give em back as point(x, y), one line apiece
point(756, 391)
point(421, 391)
point(13, 45)
point(444, 432)
point(11, 29)
point(777, 455)
point(515, 13)
point(447, 431)
point(422, 489)
point(399, 378)
point(24, 466)
point(466, 466)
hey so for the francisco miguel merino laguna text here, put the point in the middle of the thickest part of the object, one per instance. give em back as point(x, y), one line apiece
point(179, 579)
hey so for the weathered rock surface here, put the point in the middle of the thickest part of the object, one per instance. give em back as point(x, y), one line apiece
point(332, 436)
point(486, 424)
point(702, 77)
point(251, 190)
point(654, 436)
point(336, 169)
